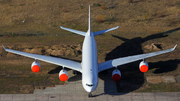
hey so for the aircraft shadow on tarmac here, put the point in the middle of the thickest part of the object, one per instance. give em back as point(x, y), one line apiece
point(132, 79)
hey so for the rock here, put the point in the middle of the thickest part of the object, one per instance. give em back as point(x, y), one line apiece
point(72, 53)
point(57, 52)
point(64, 46)
point(55, 47)
point(153, 47)
point(178, 79)
point(67, 52)
point(77, 52)
point(49, 51)
point(168, 79)
point(73, 47)
point(153, 79)
point(64, 49)
point(46, 47)
point(27, 50)
point(79, 48)
point(36, 51)
point(69, 48)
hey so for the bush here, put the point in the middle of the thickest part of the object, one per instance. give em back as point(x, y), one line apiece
point(66, 19)
point(65, 9)
point(98, 5)
point(100, 18)
point(130, 1)
point(146, 16)
point(103, 7)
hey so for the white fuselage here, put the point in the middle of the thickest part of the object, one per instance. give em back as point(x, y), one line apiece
point(89, 63)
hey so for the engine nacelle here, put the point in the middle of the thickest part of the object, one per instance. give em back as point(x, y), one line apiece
point(35, 67)
point(116, 75)
point(143, 66)
point(63, 75)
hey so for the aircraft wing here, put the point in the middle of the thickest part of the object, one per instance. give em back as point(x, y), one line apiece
point(57, 61)
point(104, 31)
point(74, 31)
point(120, 61)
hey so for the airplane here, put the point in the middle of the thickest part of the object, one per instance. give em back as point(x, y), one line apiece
point(89, 67)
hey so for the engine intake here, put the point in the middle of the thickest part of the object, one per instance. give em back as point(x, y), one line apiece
point(63, 75)
point(116, 75)
point(143, 66)
point(35, 67)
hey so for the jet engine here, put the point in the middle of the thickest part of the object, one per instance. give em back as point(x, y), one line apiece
point(63, 75)
point(143, 66)
point(35, 67)
point(116, 75)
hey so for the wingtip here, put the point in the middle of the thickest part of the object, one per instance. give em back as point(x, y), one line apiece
point(3, 47)
point(60, 26)
point(175, 47)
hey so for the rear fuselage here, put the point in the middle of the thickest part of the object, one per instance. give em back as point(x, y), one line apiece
point(89, 63)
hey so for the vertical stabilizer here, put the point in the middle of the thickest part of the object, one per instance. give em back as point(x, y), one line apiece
point(89, 27)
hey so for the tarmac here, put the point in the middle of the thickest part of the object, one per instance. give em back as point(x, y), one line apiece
point(84, 97)
point(73, 91)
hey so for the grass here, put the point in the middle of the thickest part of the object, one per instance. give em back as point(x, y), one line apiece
point(162, 88)
point(18, 75)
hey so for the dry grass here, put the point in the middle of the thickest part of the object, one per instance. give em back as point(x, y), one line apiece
point(130, 1)
point(103, 7)
point(40, 14)
point(67, 19)
point(100, 18)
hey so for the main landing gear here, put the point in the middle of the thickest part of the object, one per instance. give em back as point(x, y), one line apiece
point(75, 72)
point(89, 95)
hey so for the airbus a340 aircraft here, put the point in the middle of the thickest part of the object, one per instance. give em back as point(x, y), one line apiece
point(89, 67)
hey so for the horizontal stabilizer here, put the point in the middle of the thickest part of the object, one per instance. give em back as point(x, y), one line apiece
point(74, 31)
point(4, 47)
point(104, 31)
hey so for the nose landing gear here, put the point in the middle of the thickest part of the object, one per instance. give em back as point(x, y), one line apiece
point(90, 95)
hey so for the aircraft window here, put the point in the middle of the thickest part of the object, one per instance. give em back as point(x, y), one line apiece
point(90, 85)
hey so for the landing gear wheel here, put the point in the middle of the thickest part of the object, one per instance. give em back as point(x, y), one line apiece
point(89, 95)
point(74, 72)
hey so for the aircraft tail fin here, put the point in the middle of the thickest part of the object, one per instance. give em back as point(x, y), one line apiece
point(89, 19)
point(74, 31)
point(104, 31)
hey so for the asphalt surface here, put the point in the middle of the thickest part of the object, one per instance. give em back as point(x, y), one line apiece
point(73, 91)
point(84, 97)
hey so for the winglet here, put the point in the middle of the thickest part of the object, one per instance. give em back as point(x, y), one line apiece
point(3, 47)
point(175, 47)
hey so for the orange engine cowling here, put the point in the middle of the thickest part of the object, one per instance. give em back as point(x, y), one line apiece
point(116, 75)
point(63, 75)
point(143, 66)
point(35, 67)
